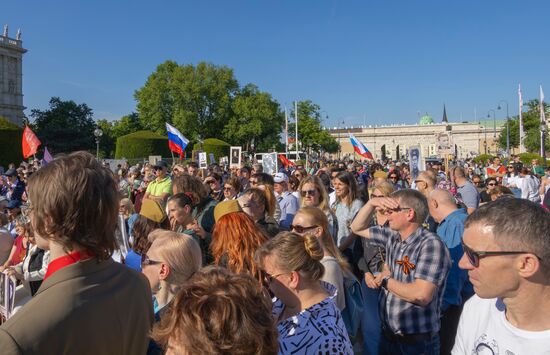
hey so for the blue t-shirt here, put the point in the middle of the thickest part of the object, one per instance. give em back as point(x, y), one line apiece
point(450, 230)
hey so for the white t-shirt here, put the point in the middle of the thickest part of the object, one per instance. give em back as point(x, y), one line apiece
point(484, 329)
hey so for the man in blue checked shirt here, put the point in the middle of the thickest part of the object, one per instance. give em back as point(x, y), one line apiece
point(443, 209)
point(413, 279)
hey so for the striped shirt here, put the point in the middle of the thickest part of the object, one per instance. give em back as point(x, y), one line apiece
point(431, 262)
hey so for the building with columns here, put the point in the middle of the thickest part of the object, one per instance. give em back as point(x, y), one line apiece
point(11, 77)
point(465, 139)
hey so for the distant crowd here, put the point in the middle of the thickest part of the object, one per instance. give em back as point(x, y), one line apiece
point(331, 257)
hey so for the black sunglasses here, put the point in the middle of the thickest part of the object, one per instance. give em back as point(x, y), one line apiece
point(475, 256)
point(375, 196)
point(304, 193)
point(300, 229)
point(146, 261)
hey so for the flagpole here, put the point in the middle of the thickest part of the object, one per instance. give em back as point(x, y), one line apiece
point(296, 116)
point(542, 126)
point(286, 131)
point(521, 132)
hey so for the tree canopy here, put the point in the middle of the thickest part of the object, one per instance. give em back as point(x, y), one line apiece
point(311, 135)
point(531, 126)
point(65, 127)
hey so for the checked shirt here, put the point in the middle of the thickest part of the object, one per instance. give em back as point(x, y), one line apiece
point(431, 262)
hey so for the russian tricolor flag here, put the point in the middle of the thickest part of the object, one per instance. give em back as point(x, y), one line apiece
point(360, 147)
point(176, 141)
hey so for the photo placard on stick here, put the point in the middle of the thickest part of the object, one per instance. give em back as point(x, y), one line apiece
point(235, 157)
point(416, 164)
point(212, 158)
point(7, 296)
point(203, 164)
point(269, 163)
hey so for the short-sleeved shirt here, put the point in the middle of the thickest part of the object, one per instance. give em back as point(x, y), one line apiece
point(431, 262)
point(315, 330)
point(450, 230)
point(289, 206)
point(157, 188)
point(469, 195)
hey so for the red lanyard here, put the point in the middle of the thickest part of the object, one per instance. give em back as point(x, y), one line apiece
point(66, 260)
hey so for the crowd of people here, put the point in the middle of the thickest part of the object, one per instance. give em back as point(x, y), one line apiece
point(335, 257)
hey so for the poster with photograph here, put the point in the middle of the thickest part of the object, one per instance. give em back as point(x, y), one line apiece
point(443, 143)
point(269, 163)
point(203, 164)
point(416, 164)
point(7, 296)
point(212, 158)
point(235, 157)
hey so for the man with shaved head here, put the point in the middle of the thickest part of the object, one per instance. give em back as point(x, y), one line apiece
point(443, 209)
point(466, 191)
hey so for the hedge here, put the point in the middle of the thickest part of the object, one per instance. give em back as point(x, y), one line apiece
point(141, 144)
point(527, 158)
point(11, 136)
point(212, 145)
point(482, 158)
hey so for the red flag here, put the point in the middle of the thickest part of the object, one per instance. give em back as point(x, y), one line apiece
point(30, 142)
point(285, 161)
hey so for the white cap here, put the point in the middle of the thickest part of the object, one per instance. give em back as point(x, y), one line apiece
point(280, 177)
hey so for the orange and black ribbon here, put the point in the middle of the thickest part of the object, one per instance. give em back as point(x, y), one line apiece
point(406, 265)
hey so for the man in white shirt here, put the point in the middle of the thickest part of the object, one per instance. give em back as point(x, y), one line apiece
point(507, 255)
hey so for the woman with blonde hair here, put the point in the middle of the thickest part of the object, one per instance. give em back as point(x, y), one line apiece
point(314, 194)
point(305, 311)
point(171, 260)
point(312, 220)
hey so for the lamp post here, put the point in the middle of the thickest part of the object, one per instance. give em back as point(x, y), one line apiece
point(97, 133)
point(507, 126)
point(494, 126)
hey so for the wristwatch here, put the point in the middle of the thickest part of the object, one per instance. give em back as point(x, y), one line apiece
point(384, 283)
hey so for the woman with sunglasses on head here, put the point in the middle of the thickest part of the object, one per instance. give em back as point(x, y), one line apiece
point(312, 220)
point(313, 194)
point(307, 317)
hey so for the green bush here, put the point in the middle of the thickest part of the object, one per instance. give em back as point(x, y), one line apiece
point(11, 150)
point(141, 144)
point(482, 158)
point(212, 145)
point(527, 158)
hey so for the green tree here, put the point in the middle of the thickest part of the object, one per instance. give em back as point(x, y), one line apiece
point(65, 126)
point(107, 142)
point(311, 135)
point(531, 126)
point(256, 118)
point(196, 99)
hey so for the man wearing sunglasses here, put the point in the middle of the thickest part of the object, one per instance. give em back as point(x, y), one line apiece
point(414, 273)
point(160, 188)
point(507, 254)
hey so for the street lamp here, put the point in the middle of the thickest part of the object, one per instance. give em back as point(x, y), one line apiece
point(507, 127)
point(494, 127)
point(97, 133)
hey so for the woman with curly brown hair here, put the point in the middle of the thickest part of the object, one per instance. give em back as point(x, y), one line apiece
point(212, 314)
point(235, 239)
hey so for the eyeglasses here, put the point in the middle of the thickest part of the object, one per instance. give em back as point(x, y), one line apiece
point(393, 177)
point(475, 256)
point(300, 229)
point(305, 193)
point(375, 196)
point(227, 188)
point(417, 181)
point(155, 168)
point(268, 279)
point(146, 261)
point(395, 210)
point(491, 184)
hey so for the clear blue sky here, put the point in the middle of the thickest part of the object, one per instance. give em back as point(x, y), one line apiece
point(386, 60)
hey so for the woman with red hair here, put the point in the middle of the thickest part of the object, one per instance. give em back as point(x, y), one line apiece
point(235, 239)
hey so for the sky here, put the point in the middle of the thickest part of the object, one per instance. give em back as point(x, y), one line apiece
point(364, 62)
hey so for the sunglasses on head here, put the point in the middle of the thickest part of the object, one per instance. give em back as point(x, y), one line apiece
point(475, 256)
point(305, 193)
point(300, 229)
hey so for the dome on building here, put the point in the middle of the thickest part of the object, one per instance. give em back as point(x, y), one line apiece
point(426, 119)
